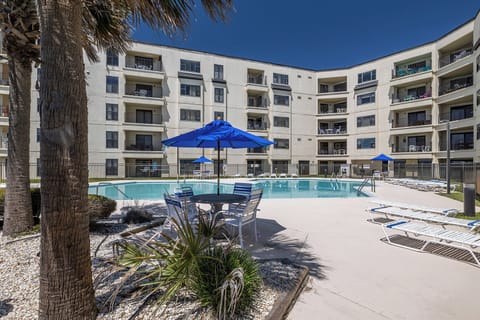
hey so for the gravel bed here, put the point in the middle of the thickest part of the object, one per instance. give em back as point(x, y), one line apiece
point(19, 278)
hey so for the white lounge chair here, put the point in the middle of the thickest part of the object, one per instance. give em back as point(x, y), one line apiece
point(386, 203)
point(283, 175)
point(250, 175)
point(244, 213)
point(425, 216)
point(273, 175)
point(462, 240)
point(294, 175)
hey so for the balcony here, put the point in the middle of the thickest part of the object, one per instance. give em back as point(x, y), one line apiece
point(332, 152)
point(402, 123)
point(410, 97)
point(332, 131)
point(411, 148)
point(257, 151)
point(332, 108)
point(452, 57)
point(257, 126)
point(325, 88)
point(143, 94)
point(143, 121)
point(403, 72)
point(451, 85)
point(256, 81)
point(456, 114)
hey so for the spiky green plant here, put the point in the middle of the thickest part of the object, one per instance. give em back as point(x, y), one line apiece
point(228, 282)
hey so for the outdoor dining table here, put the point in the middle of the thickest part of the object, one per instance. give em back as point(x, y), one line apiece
point(218, 200)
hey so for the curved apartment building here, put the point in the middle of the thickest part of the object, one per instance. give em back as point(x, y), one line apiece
point(403, 105)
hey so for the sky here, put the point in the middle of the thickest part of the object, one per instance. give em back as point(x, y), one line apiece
point(318, 34)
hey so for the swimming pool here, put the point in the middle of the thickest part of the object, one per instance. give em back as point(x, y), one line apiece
point(272, 189)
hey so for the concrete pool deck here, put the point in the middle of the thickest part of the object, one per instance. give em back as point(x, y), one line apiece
point(354, 274)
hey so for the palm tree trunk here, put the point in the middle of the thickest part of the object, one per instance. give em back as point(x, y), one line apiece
point(66, 290)
point(18, 202)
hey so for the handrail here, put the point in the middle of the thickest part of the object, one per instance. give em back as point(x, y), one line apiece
point(334, 182)
point(365, 182)
point(114, 186)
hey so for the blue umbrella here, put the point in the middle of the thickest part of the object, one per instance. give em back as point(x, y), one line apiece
point(202, 159)
point(382, 157)
point(217, 134)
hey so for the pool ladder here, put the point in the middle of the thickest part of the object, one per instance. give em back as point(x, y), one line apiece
point(365, 182)
point(115, 187)
point(334, 182)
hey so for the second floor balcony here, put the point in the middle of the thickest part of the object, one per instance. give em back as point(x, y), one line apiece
point(457, 113)
point(257, 125)
point(450, 85)
point(260, 150)
point(411, 148)
point(411, 94)
point(332, 108)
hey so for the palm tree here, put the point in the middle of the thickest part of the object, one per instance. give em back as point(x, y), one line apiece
point(19, 22)
point(66, 290)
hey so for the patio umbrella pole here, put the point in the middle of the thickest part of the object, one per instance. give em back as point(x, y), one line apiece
point(218, 167)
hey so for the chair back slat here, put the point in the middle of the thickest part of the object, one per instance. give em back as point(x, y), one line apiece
point(243, 189)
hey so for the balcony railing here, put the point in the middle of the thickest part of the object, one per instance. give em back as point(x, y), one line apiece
point(142, 147)
point(4, 82)
point(457, 146)
point(333, 152)
point(412, 148)
point(402, 72)
point(411, 123)
point(397, 99)
point(333, 131)
point(324, 88)
point(449, 58)
point(332, 108)
point(450, 87)
point(143, 93)
point(256, 79)
point(257, 150)
point(156, 66)
point(457, 115)
point(4, 110)
point(134, 117)
point(257, 126)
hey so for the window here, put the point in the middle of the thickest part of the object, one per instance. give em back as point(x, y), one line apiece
point(281, 122)
point(189, 115)
point(143, 63)
point(189, 65)
point(280, 78)
point(112, 84)
point(111, 167)
point(461, 141)
point(339, 87)
point(38, 105)
point(461, 112)
point(218, 115)
point(281, 100)
point(366, 98)
point(366, 143)
point(281, 143)
point(478, 97)
point(367, 76)
point(366, 121)
point(417, 65)
point(143, 142)
point(112, 57)
point(478, 63)
point(144, 116)
point(478, 131)
point(189, 90)
point(418, 141)
point(112, 139)
point(417, 118)
point(218, 72)
point(38, 134)
point(111, 110)
point(219, 95)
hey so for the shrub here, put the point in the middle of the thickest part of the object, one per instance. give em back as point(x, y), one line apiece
point(227, 282)
point(100, 207)
point(137, 215)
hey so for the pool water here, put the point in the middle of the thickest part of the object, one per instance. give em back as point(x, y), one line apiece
point(272, 189)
